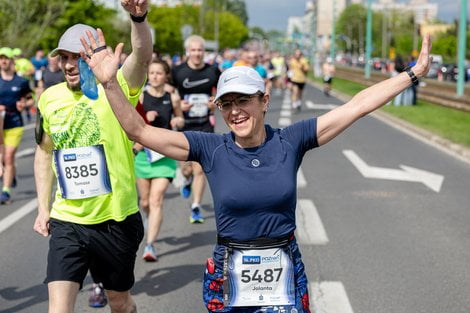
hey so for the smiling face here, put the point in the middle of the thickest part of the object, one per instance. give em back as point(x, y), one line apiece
point(69, 64)
point(244, 115)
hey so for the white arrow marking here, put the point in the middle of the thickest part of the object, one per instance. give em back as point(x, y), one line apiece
point(301, 181)
point(431, 180)
point(312, 105)
point(329, 297)
point(310, 230)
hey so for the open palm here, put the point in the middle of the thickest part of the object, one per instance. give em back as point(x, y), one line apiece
point(102, 62)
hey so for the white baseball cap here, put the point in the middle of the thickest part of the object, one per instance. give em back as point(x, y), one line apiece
point(239, 79)
point(70, 40)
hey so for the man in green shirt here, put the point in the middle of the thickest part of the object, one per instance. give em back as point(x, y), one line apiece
point(94, 221)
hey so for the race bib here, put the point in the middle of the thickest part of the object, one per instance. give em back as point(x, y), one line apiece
point(199, 102)
point(153, 156)
point(82, 172)
point(258, 278)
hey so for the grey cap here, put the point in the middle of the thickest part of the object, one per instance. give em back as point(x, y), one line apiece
point(239, 79)
point(70, 40)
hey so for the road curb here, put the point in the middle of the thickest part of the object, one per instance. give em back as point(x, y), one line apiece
point(456, 150)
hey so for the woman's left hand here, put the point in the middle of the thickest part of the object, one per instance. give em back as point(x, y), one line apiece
point(102, 62)
point(423, 63)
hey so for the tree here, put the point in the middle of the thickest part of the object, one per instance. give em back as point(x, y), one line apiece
point(91, 13)
point(30, 24)
point(23, 22)
point(167, 23)
point(236, 7)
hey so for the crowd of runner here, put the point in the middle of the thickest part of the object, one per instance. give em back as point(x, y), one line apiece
point(115, 151)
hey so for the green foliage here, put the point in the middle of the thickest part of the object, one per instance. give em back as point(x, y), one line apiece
point(396, 25)
point(167, 23)
point(23, 22)
point(236, 7)
point(91, 13)
point(352, 24)
point(30, 24)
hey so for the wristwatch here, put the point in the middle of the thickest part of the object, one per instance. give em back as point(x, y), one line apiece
point(412, 75)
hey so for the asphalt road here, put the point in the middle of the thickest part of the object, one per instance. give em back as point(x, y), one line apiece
point(374, 237)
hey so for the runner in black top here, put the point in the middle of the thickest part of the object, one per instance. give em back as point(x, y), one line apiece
point(196, 83)
point(154, 172)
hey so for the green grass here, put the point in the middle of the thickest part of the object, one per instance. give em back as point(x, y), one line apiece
point(448, 123)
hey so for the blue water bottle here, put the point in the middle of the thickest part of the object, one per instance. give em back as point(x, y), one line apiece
point(87, 80)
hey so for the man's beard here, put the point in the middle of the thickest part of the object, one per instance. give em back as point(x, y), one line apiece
point(74, 87)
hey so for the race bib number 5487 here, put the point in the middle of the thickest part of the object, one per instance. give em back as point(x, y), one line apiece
point(82, 172)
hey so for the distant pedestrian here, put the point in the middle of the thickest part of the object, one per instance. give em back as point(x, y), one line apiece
point(328, 71)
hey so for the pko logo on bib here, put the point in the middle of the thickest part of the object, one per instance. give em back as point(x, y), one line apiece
point(250, 259)
point(70, 157)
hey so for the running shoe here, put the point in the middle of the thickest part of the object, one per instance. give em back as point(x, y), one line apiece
point(4, 197)
point(97, 296)
point(149, 254)
point(196, 216)
point(186, 190)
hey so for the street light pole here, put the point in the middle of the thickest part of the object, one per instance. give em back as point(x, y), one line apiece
point(368, 39)
point(313, 37)
point(462, 45)
point(333, 34)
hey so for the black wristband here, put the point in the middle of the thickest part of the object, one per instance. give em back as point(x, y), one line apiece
point(412, 75)
point(139, 19)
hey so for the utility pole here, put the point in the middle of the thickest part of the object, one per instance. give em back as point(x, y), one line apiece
point(202, 13)
point(313, 36)
point(462, 45)
point(333, 34)
point(368, 39)
point(216, 26)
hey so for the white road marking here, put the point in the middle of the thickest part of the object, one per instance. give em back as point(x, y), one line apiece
point(29, 126)
point(310, 230)
point(407, 173)
point(312, 105)
point(286, 113)
point(301, 181)
point(284, 121)
point(18, 214)
point(25, 152)
point(329, 297)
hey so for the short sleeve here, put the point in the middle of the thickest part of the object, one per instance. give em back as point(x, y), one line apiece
point(202, 147)
point(41, 103)
point(302, 135)
point(133, 99)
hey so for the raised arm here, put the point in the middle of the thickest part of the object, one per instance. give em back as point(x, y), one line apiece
point(334, 122)
point(135, 66)
point(104, 65)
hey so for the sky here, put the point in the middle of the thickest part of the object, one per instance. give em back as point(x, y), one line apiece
point(273, 14)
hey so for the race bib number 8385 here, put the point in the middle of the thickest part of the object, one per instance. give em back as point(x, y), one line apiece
point(82, 172)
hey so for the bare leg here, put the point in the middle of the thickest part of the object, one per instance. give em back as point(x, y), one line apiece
point(121, 302)
point(155, 217)
point(62, 296)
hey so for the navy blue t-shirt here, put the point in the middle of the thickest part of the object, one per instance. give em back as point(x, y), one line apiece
point(254, 190)
point(10, 92)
